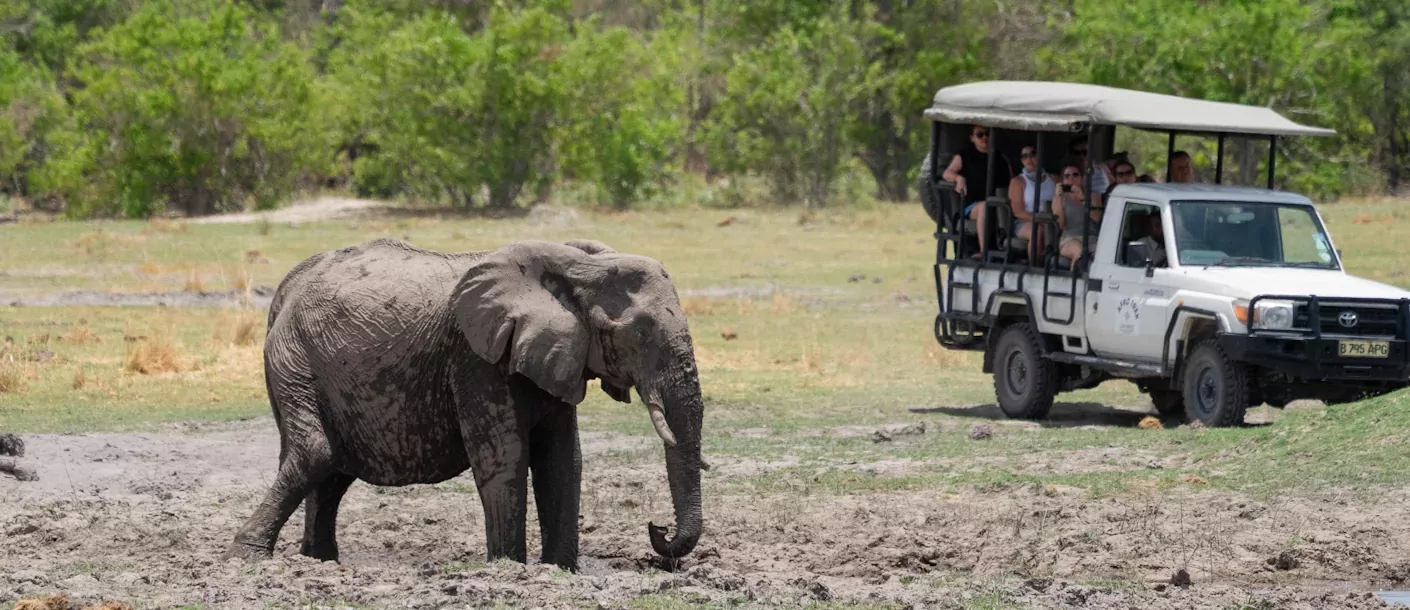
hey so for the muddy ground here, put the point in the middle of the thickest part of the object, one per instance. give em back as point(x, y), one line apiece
point(143, 518)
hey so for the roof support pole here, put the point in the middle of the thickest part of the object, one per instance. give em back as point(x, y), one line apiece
point(1219, 163)
point(1272, 159)
point(1170, 152)
point(1087, 190)
point(993, 154)
point(1039, 174)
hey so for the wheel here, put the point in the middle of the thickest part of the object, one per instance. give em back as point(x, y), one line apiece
point(1215, 387)
point(1024, 381)
point(1168, 402)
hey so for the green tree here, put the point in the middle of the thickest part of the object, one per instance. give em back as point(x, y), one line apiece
point(48, 31)
point(789, 105)
point(623, 125)
point(918, 47)
point(447, 112)
point(31, 110)
point(200, 108)
point(1276, 53)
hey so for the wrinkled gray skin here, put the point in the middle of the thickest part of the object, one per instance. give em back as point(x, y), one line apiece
point(395, 365)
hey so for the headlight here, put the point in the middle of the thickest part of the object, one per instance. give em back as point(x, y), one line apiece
point(1273, 315)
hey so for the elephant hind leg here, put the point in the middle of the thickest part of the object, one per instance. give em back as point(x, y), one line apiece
point(305, 461)
point(295, 480)
point(321, 516)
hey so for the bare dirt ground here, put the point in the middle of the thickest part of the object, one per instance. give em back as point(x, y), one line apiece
point(322, 208)
point(143, 518)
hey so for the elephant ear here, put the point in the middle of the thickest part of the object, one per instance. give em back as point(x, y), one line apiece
point(517, 301)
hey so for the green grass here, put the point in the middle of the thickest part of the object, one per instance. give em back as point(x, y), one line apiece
point(806, 373)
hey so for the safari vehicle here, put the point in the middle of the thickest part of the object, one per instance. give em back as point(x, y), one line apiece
point(1250, 306)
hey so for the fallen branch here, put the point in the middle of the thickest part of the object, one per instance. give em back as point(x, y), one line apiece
point(13, 468)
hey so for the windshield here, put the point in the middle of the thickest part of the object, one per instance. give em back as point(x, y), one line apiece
point(1246, 234)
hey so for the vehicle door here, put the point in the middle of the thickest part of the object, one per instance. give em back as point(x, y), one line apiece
point(1127, 319)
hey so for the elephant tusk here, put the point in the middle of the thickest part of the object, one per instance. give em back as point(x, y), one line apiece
point(658, 420)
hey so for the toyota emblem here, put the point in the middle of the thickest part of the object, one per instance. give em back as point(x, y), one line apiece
point(1347, 319)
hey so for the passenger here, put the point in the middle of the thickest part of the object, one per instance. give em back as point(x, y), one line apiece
point(1070, 209)
point(1100, 176)
point(1021, 192)
point(1182, 169)
point(1123, 172)
point(969, 170)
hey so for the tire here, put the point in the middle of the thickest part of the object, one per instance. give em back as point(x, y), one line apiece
point(1168, 403)
point(1024, 381)
point(925, 183)
point(1215, 387)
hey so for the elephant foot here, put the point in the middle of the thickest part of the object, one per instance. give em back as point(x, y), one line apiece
point(247, 551)
point(321, 552)
point(567, 563)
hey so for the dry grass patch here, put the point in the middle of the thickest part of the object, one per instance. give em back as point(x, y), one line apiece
point(165, 225)
point(244, 329)
point(777, 303)
point(239, 278)
point(13, 373)
point(151, 355)
point(193, 281)
point(942, 356)
point(81, 335)
point(99, 241)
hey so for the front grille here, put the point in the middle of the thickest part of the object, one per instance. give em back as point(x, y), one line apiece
point(1371, 320)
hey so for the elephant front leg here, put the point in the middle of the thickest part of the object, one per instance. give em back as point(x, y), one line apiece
point(556, 460)
point(497, 446)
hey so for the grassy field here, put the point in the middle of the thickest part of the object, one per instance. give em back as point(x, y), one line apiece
point(812, 331)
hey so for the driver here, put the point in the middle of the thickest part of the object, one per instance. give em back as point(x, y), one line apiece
point(1154, 241)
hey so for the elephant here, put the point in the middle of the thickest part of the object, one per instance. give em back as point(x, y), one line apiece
point(396, 365)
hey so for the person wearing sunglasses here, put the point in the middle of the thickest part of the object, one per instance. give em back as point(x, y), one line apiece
point(1101, 177)
point(969, 170)
point(1123, 172)
point(1070, 208)
point(1021, 195)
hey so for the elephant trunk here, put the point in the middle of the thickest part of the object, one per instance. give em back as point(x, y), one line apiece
point(682, 411)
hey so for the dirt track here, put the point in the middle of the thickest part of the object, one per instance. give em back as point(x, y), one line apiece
point(144, 517)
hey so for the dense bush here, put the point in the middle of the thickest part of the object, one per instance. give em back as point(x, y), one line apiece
point(198, 107)
point(127, 107)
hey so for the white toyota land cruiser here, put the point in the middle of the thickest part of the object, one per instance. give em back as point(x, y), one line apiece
point(1210, 298)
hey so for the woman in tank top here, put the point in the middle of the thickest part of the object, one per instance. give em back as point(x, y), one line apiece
point(1071, 213)
point(1021, 193)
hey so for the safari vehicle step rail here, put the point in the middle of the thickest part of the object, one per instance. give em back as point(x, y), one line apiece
point(1119, 368)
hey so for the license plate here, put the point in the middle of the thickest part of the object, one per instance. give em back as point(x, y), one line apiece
point(1363, 349)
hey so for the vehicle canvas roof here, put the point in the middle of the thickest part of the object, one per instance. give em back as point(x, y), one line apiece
point(1058, 106)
